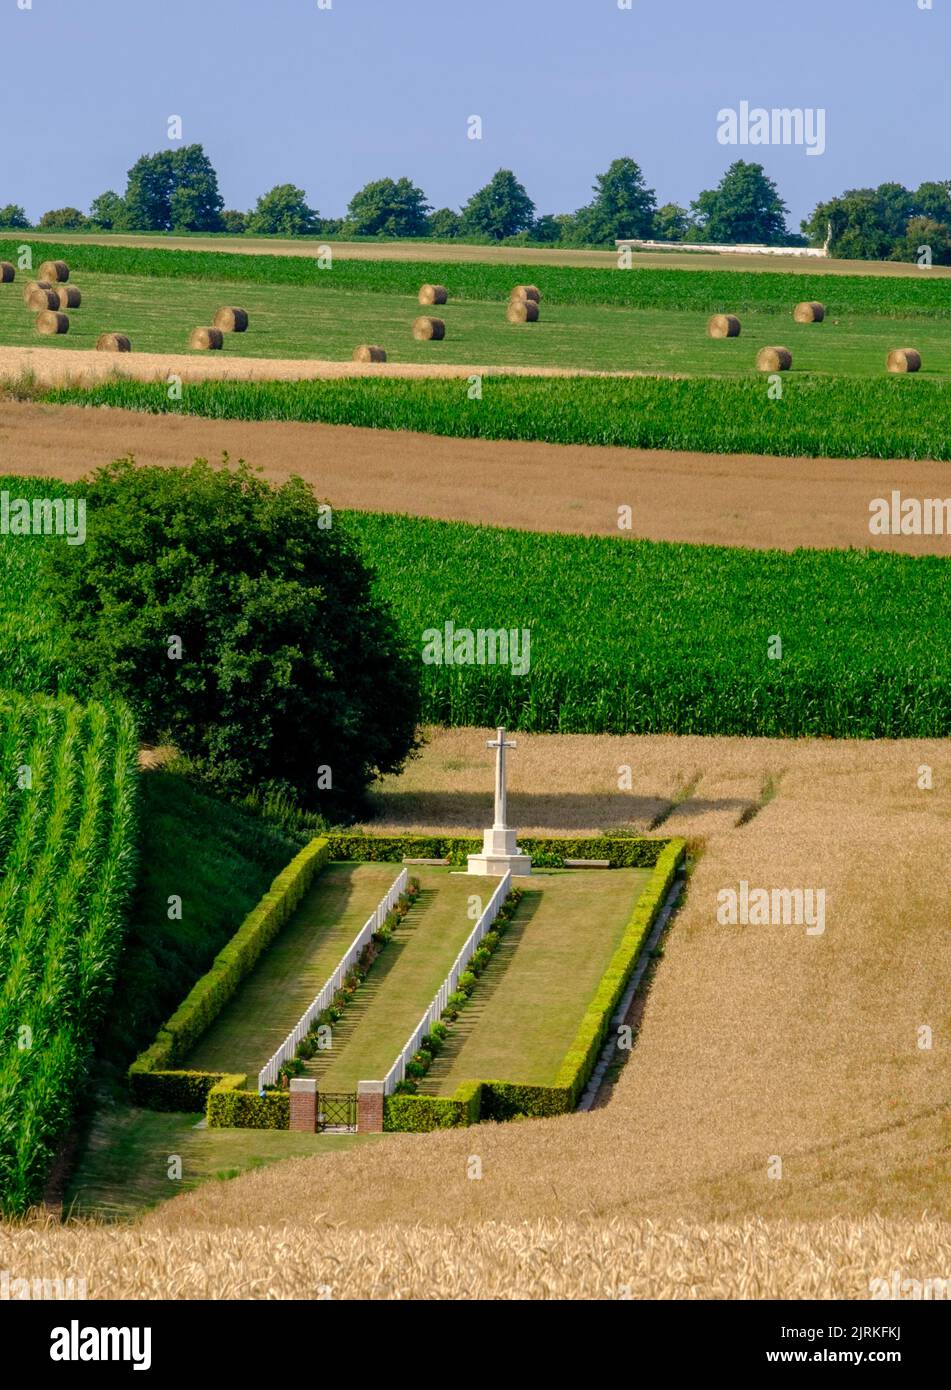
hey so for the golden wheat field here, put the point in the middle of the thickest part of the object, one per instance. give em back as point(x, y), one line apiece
point(762, 1049)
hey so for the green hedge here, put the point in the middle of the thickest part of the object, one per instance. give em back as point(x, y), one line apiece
point(172, 1090)
point(503, 1100)
point(418, 1114)
point(230, 1107)
point(579, 1061)
point(232, 964)
point(546, 852)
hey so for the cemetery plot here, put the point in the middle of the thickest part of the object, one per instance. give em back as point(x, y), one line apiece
point(525, 1011)
point(401, 984)
point(289, 975)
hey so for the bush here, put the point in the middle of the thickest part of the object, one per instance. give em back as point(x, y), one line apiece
point(231, 1108)
point(238, 620)
point(418, 1114)
point(547, 852)
point(185, 1091)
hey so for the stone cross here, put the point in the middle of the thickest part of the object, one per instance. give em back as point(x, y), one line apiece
point(500, 745)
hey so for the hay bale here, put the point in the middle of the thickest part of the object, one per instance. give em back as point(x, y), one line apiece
point(40, 298)
point(809, 311)
point(427, 330)
point(433, 294)
point(208, 339)
point(724, 326)
point(113, 342)
point(369, 352)
point(904, 360)
point(7, 273)
point(68, 296)
point(232, 320)
point(32, 285)
point(526, 292)
point(57, 271)
point(522, 311)
point(773, 359)
point(50, 323)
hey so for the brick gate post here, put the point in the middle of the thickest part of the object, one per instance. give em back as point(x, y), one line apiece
point(369, 1107)
point(304, 1104)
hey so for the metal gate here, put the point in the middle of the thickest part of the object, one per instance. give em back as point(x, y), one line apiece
point(337, 1110)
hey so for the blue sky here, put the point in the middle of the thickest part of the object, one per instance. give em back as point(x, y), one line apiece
point(282, 91)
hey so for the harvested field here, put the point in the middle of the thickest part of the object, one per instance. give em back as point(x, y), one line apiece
point(723, 499)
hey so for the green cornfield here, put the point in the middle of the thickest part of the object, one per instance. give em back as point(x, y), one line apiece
point(818, 416)
point(647, 637)
point(67, 860)
point(705, 291)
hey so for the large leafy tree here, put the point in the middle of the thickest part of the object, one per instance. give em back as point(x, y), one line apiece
point(240, 621)
point(501, 209)
point(108, 210)
point(623, 206)
point(13, 217)
point(867, 223)
point(671, 223)
point(444, 224)
point(64, 220)
point(173, 188)
point(283, 212)
point(934, 200)
point(744, 207)
point(388, 207)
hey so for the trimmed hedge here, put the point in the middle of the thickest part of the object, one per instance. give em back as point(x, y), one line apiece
point(419, 1114)
point(503, 1100)
point(230, 1107)
point(546, 852)
point(173, 1090)
point(210, 994)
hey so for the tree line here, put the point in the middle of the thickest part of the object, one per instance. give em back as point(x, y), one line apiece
point(177, 191)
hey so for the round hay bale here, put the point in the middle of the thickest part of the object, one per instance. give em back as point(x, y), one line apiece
point(113, 342)
point(40, 298)
point(904, 360)
point(68, 296)
point(526, 292)
point(724, 326)
point(34, 285)
point(208, 339)
point(809, 311)
point(54, 270)
point(7, 273)
point(369, 352)
point(773, 359)
point(522, 311)
point(232, 320)
point(433, 294)
point(50, 323)
point(427, 330)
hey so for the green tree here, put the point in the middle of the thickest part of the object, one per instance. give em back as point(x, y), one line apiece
point(546, 228)
point(174, 188)
point(14, 218)
point(671, 223)
point(501, 209)
point(283, 212)
point(623, 206)
point(234, 222)
point(240, 624)
point(108, 210)
point(934, 200)
point(444, 224)
point(867, 223)
point(64, 220)
point(388, 208)
point(925, 231)
point(744, 207)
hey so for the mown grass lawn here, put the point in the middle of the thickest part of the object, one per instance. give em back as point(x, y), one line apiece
point(402, 983)
point(320, 321)
point(293, 970)
point(526, 1009)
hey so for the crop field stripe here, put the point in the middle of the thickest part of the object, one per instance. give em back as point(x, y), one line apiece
point(706, 291)
point(817, 416)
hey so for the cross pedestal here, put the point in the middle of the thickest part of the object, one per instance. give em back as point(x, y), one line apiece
point(500, 853)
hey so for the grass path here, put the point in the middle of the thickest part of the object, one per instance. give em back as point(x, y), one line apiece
point(526, 1009)
point(401, 983)
point(270, 1001)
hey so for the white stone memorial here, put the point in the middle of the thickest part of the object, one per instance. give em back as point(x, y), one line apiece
point(500, 854)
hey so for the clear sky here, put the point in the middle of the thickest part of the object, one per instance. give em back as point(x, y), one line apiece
point(284, 91)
